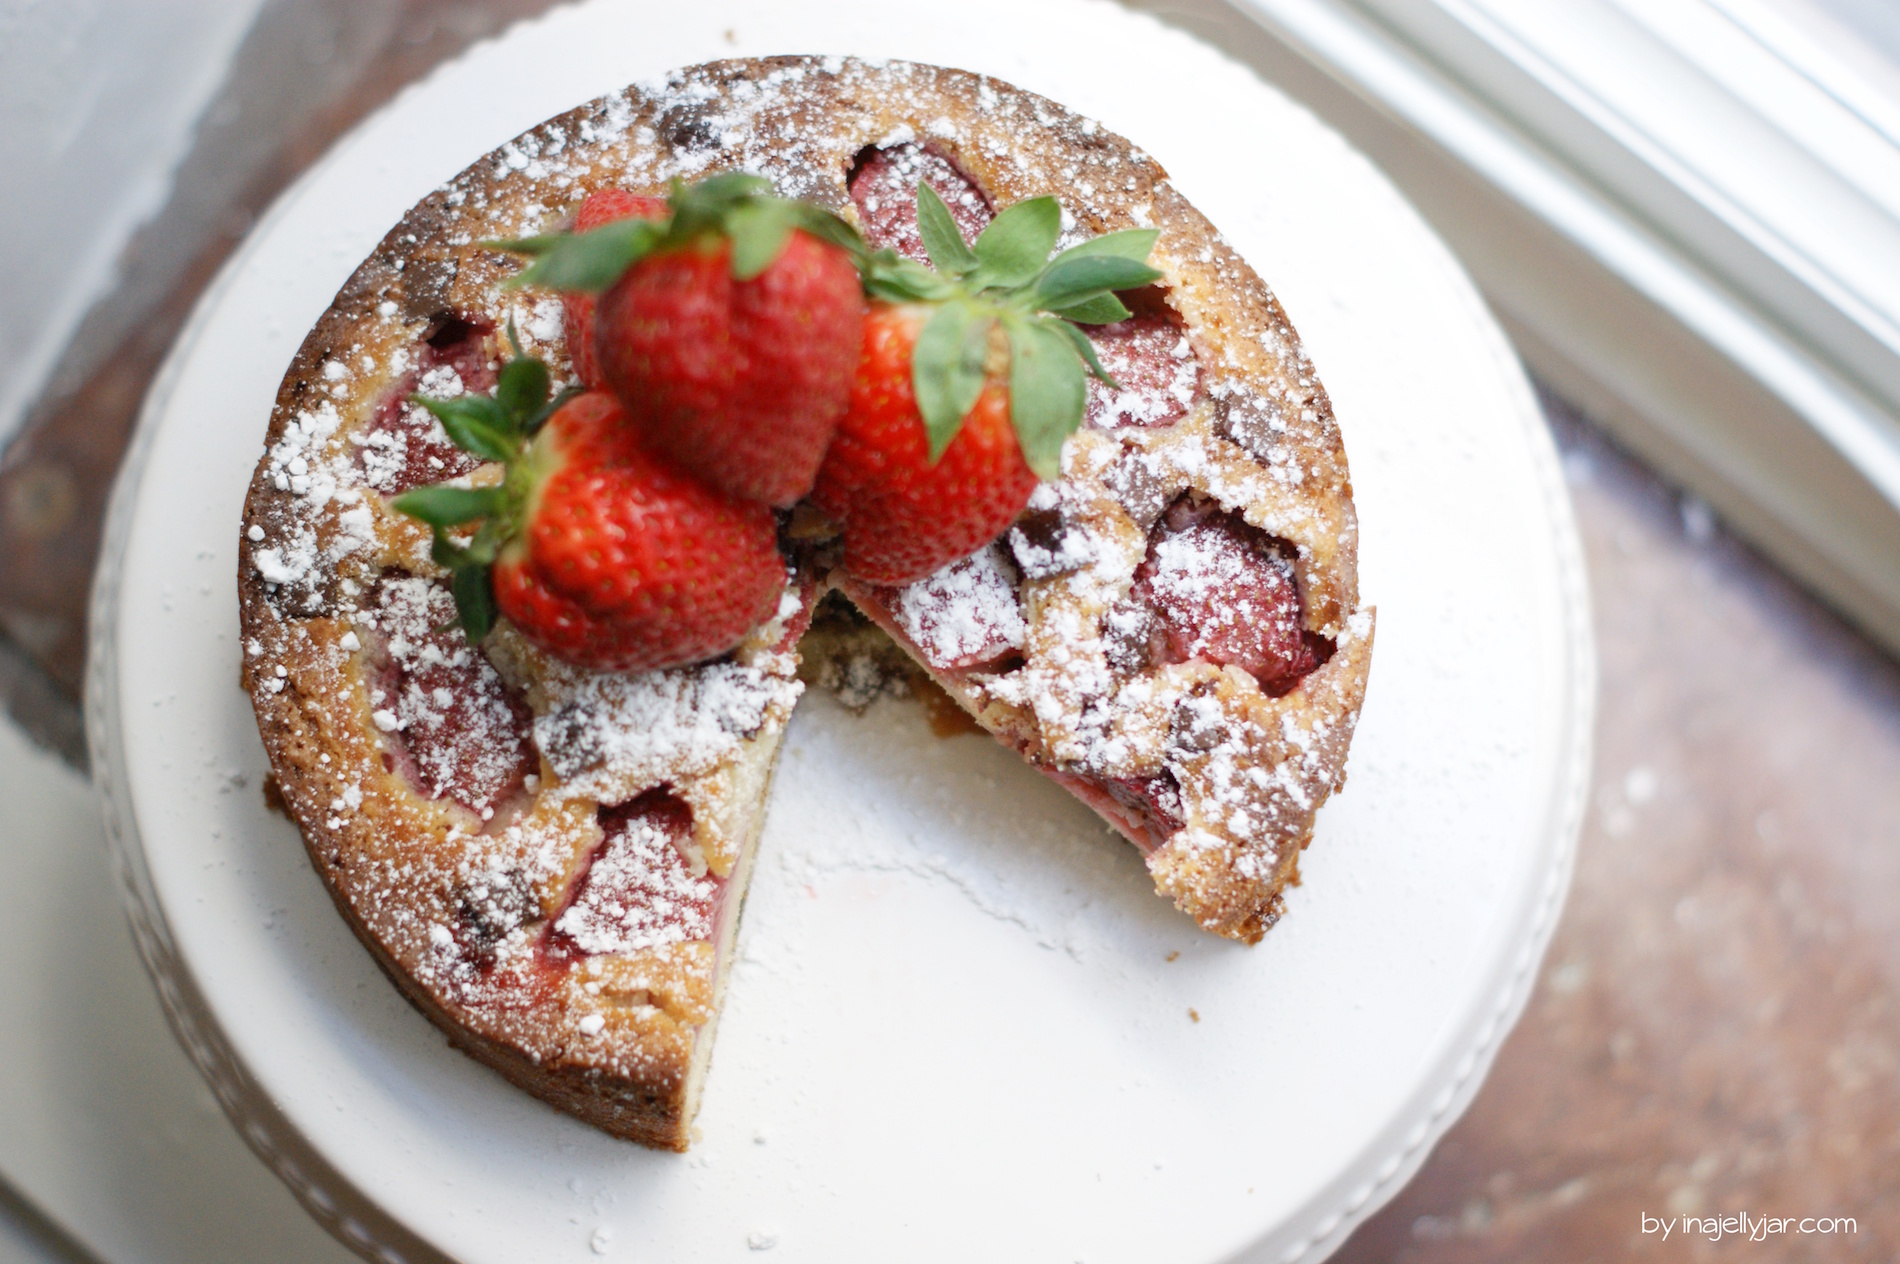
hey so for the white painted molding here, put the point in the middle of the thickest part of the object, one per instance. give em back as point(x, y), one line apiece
point(1686, 212)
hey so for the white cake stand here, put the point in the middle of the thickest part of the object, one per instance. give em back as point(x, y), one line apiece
point(961, 1026)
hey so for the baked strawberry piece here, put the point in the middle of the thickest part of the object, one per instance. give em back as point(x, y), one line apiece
point(453, 725)
point(884, 190)
point(1225, 592)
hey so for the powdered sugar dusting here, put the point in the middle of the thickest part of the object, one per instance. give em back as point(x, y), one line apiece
point(639, 892)
point(449, 706)
point(291, 555)
point(966, 614)
point(1153, 362)
point(606, 733)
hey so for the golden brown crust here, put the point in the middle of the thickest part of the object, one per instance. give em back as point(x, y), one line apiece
point(615, 1042)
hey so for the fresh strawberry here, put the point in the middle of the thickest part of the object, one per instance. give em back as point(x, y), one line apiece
point(969, 380)
point(605, 207)
point(665, 569)
point(600, 552)
point(742, 382)
point(729, 330)
point(904, 515)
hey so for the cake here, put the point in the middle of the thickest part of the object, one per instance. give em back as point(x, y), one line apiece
point(549, 861)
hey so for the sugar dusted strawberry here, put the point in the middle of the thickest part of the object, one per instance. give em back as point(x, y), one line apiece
point(729, 328)
point(1223, 591)
point(602, 553)
point(884, 189)
point(605, 207)
point(638, 890)
point(456, 729)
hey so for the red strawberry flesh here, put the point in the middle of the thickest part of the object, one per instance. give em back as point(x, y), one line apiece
point(884, 188)
point(741, 382)
point(627, 562)
point(903, 517)
point(456, 729)
point(1224, 592)
point(638, 890)
point(1145, 810)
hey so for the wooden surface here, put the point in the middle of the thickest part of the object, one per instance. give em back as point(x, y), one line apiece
point(1715, 1030)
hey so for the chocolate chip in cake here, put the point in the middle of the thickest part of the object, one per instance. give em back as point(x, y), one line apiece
point(1139, 486)
point(688, 128)
point(1252, 422)
point(493, 907)
point(1046, 543)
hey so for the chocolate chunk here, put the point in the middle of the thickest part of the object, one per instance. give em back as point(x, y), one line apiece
point(494, 906)
point(570, 738)
point(688, 129)
point(1138, 487)
point(1253, 422)
point(1045, 543)
point(1198, 724)
point(1130, 636)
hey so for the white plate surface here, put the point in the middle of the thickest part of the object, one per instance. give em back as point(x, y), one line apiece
point(960, 1025)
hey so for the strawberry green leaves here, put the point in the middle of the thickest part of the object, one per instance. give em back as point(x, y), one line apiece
point(1007, 279)
point(1072, 280)
point(1047, 390)
point(947, 368)
point(735, 205)
point(943, 242)
point(1016, 245)
point(584, 262)
point(495, 428)
point(473, 587)
point(446, 506)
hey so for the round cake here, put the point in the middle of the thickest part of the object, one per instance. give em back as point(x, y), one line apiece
point(550, 861)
